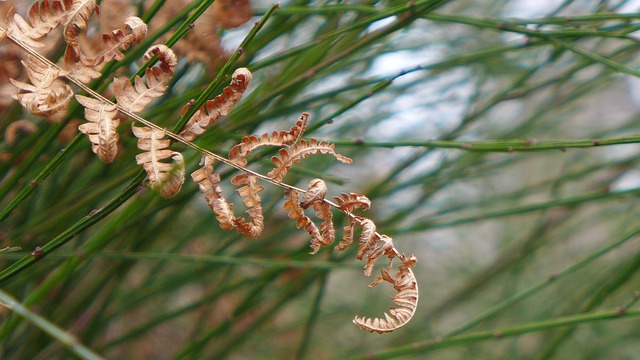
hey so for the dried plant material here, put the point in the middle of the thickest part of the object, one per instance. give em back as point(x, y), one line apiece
point(163, 177)
point(300, 151)
point(212, 110)
point(352, 201)
point(46, 95)
point(119, 40)
point(406, 298)
point(42, 17)
point(171, 186)
point(101, 127)
point(135, 99)
point(18, 128)
point(251, 198)
point(76, 19)
point(230, 14)
point(202, 43)
point(292, 205)
point(368, 237)
point(238, 153)
point(208, 181)
point(75, 67)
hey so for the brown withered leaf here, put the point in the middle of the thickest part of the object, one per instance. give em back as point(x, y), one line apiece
point(238, 153)
point(136, 98)
point(289, 157)
point(163, 177)
point(406, 297)
point(212, 110)
point(43, 17)
point(101, 127)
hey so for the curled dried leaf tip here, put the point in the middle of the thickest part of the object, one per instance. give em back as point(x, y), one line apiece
point(406, 298)
point(213, 109)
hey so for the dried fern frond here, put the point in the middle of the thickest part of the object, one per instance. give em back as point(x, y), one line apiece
point(300, 151)
point(251, 198)
point(76, 19)
point(406, 297)
point(212, 110)
point(135, 99)
point(238, 153)
point(101, 127)
point(75, 67)
point(292, 205)
point(352, 201)
point(46, 95)
point(42, 17)
point(119, 40)
point(208, 181)
point(163, 177)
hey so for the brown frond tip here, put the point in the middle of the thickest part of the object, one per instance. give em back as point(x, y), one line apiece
point(46, 95)
point(212, 110)
point(289, 157)
point(101, 127)
point(251, 198)
point(406, 298)
point(136, 97)
point(76, 18)
point(238, 153)
point(208, 181)
point(292, 204)
point(119, 40)
point(350, 202)
point(163, 177)
point(43, 17)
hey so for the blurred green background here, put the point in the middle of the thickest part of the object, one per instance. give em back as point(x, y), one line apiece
point(526, 242)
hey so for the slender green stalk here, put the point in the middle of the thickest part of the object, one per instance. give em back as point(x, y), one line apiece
point(441, 343)
point(65, 338)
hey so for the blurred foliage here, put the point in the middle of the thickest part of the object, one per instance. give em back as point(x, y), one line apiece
point(524, 242)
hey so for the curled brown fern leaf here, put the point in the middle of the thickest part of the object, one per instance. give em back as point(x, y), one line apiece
point(251, 198)
point(296, 212)
point(300, 151)
point(76, 18)
point(406, 297)
point(136, 30)
point(135, 98)
point(46, 95)
point(101, 127)
point(163, 177)
point(238, 153)
point(208, 181)
point(43, 18)
point(212, 110)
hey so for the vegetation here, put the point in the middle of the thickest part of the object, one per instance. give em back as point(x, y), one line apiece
point(486, 137)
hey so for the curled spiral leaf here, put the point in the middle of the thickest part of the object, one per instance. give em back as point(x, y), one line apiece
point(208, 181)
point(212, 110)
point(238, 153)
point(406, 298)
point(288, 157)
